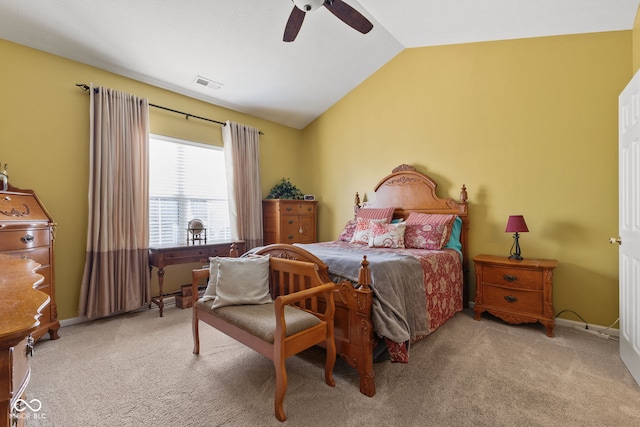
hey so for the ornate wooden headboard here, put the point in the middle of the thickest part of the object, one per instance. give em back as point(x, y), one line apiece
point(408, 190)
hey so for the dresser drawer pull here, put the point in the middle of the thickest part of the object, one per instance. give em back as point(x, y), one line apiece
point(290, 236)
point(288, 208)
point(510, 278)
point(510, 298)
point(27, 238)
point(290, 221)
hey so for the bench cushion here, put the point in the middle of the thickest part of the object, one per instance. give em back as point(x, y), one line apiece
point(260, 320)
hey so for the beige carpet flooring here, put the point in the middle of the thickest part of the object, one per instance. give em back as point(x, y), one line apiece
point(138, 370)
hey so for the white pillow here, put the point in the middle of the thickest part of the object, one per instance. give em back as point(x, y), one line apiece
point(362, 232)
point(210, 292)
point(387, 235)
point(242, 281)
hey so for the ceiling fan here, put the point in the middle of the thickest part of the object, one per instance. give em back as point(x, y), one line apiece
point(342, 10)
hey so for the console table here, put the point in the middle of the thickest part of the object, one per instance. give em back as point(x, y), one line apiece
point(162, 256)
point(21, 306)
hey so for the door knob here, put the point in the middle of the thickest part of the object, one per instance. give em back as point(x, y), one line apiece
point(614, 240)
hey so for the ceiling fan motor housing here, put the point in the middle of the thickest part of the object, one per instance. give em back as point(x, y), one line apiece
point(308, 5)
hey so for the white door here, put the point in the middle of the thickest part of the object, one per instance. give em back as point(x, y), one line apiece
point(629, 225)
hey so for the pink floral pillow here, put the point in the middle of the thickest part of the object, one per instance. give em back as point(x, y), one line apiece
point(387, 235)
point(428, 231)
point(362, 232)
point(347, 232)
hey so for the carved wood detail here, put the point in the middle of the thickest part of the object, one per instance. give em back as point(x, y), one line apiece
point(402, 180)
point(513, 318)
point(17, 213)
point(403, 167)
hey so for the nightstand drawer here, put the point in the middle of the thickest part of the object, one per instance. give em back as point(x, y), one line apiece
point(513, 299)
point(512, 277)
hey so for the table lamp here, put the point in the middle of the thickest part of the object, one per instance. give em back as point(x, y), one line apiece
point(516, 225)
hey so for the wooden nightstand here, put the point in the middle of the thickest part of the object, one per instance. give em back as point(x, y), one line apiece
point(515, 291)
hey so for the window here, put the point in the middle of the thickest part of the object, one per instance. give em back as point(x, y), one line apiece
point(187, 180)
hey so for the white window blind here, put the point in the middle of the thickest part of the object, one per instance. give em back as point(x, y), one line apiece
point(187, 180)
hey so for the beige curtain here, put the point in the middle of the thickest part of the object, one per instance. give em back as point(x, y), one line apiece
point(242, 154)
point(116, 272)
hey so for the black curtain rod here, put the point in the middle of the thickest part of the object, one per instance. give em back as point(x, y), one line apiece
point(86, 87)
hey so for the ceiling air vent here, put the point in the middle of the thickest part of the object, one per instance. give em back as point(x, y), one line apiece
point(203, 81)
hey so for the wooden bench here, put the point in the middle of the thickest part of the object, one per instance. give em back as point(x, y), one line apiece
point(300, 317)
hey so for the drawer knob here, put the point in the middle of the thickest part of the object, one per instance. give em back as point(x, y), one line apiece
point(290, 237)
point(510, 298)
point(27, 238)
point(288, 208)
point(510, 278)
point(290, 221)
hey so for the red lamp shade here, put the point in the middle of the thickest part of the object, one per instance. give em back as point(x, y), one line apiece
point(516, 224)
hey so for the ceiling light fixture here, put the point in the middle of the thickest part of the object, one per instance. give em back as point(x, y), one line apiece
point(308, 5)
point(203, 81)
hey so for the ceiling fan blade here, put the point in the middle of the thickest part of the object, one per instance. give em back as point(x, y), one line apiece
point(293, 24)
point(349, 16)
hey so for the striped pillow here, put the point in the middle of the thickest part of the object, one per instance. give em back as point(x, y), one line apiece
point(428, 231)
point(376, 213)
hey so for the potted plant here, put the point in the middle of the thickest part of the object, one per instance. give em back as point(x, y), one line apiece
point(285, 190)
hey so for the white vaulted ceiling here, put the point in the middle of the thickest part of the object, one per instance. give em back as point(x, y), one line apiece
point(238, 43)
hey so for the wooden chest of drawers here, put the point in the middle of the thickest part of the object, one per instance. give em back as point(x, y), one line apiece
point(20, 308)
point(27, 231)
point(289, 221)
point(515, 291)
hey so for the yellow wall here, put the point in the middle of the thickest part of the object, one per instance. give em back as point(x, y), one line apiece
point(530, 126)
point(44, 132)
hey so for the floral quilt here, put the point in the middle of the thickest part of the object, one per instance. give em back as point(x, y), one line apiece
point(442, 282)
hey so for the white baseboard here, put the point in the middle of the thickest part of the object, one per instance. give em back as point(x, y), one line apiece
point(580, 325)
point(73, 321)
point(169, 300)
point(559, 321)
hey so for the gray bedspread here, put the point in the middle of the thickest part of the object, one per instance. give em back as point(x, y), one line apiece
point(399, 306)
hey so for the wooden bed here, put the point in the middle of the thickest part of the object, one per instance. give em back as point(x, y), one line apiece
point(407, 190)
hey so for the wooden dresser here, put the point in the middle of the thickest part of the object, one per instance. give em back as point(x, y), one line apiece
point(289, 221)
point(27, 231)
point(515, 291)
point(20, 308)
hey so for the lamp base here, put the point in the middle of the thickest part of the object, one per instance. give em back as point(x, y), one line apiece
point(516, 244)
